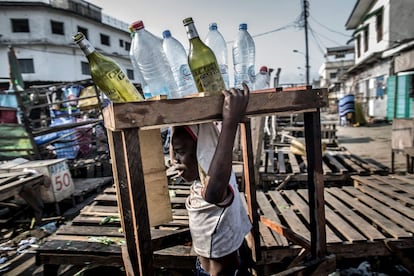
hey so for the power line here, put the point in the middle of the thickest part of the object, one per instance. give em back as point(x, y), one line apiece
point(329, 29)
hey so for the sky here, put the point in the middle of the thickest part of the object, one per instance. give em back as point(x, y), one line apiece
point(275, 26)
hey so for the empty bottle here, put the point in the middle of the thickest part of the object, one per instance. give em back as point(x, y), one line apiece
point(152, 63)
point(177, 58)
point(107, 74)
point(203, 62)
point(243, 58)
point(138, 77)
point(216, 42)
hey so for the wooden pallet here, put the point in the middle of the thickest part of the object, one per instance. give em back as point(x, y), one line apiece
point(95, 236)
point(283, 166)
point(374, 218)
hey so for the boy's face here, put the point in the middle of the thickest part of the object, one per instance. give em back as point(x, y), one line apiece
point(185, 155)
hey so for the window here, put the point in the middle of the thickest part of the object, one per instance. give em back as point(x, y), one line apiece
point(366, 39)
point(85, 68)
point(121, 43)
point(20, 25)
point(127, 46)
point(130, 74)
point(105, 40)
point(379, 26)
point(84, 31)
point(332, 75)
point(358, 45)
point(26, 65)
point(57, 27)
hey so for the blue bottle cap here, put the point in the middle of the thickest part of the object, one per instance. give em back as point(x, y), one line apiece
point(166, 34)
point(213, 26)
point(243, 26)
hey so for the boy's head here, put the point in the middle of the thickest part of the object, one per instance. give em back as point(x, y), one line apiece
point(184, 145)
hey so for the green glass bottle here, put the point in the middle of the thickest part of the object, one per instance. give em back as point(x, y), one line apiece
point(107, 74)
point(203, 62)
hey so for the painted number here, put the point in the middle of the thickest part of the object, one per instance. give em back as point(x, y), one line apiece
point(62, 180)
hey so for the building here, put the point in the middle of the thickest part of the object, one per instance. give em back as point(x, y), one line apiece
point(332, 72)
point(41, 35)
point(380, 29)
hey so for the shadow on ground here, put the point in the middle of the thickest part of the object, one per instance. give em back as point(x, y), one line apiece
point(354, 140)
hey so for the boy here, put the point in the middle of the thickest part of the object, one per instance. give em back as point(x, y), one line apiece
point(218, 222)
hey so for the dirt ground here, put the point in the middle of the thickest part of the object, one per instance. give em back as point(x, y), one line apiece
point(371, 141)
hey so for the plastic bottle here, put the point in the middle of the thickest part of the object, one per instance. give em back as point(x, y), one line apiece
point(152, 63)
point(203, 62)
point(262, 80)
point(243, 58)
point(177, 58)
point(107, 74)
point(138, 77)
point(216, 42)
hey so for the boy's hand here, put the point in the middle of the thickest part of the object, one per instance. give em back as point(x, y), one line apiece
point(235, 103)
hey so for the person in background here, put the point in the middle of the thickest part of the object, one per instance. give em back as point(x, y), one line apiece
point(217, 219)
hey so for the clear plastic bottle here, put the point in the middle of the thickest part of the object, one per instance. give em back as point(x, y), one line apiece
point(216, 42)
point(152, 63)
point(139, 78)
point(177, 58)
point(244, 58)
point(107, 74)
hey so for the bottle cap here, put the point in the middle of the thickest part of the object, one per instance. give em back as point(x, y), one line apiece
point(137, 25)
point(166, 34)
point(263, 69)
point(213, 26)
point(188, 20)
point(78, 37)
point(243, 26)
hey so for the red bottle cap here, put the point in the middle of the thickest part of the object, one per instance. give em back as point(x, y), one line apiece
point(137, 25)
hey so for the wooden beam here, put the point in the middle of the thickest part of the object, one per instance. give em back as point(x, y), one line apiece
point(315, 184)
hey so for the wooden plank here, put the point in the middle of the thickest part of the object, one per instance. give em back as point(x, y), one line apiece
point(338, 166)
point(303, 208)
point(403, 183)
point(181, 111)
point(351, 217)
point(270, 213)
point(355, 167)
point(389, 190)
point(409, 212)
point(293, 163)
point(285, 209)
point(282, 162)
point(156, 182)
point(384, 209)
point(374, 217)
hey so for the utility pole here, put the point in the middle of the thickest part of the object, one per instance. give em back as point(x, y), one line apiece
point(305, 15)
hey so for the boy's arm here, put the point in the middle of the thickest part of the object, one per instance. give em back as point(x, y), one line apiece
point(217, 181)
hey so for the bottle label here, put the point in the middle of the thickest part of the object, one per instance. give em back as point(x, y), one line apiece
point(125, 92)
point(208, 78)
point(184, 75)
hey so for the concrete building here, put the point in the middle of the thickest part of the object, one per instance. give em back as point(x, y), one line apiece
point(378, 27)
point(41, 35)
point(332, 72)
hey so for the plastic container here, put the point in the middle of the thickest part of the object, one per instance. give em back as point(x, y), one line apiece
point(139, 78)
point(262, 80)
point(177, 58)
point(244, 54)
point(216, 42)
point(152, 62)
